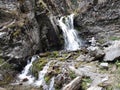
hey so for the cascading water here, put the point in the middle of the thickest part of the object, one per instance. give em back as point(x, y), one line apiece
point(25, 73)
point(72, 41)
point(51, 87)
point(41, 76)
point(28, 79)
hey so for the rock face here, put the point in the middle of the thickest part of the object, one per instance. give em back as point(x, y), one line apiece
point(28, 27)
point(23, 32)
point(21, 28)
point(101, 20)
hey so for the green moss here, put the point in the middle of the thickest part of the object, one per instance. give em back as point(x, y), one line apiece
point(54, 54)
point(47, 79)
point(109, 88)
point(72, 75)
point(61, 59)
point(85, 82)
point(114, 38)
point(117, 63)
point(38, 66)
point(16, 33)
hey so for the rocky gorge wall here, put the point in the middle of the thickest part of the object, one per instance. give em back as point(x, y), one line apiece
point(30, 26)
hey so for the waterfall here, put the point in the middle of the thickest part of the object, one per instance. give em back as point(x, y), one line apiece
point(51, 87)
point(25, 73)
point(41, 76)
point(72, 41)
point(28, 79)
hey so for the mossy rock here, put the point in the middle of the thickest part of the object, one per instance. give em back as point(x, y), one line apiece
point(38, 66)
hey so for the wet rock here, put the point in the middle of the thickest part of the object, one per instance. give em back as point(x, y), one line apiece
point(25, 80)
point(112, 52)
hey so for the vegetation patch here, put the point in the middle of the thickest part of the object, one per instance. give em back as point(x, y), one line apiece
point(38, 66)
point(85, 83)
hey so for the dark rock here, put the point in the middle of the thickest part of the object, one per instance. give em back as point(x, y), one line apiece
point(25, 80)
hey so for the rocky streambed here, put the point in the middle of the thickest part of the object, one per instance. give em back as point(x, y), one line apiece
point(72, 70)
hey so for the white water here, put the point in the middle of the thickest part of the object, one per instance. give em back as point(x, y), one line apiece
point(72, 41)
point(41, 76)
point(51, 87)
point(25, 73)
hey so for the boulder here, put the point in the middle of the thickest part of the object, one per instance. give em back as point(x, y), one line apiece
point(112, 52)
point(94, 53)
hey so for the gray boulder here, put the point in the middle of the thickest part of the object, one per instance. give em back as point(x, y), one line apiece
point(112, 52)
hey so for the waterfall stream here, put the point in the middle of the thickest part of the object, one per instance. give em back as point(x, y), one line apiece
point(25, 73)
point(26, 78)
point(41, 76)
point(72, 41)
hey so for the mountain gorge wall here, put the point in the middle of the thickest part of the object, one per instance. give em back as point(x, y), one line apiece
point(30, 26)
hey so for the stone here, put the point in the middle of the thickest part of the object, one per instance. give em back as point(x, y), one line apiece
point(112, 52)
point(85, 57)
point(25, 80)
point(94, 53)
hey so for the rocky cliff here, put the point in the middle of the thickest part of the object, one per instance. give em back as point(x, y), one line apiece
point(28, 27)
